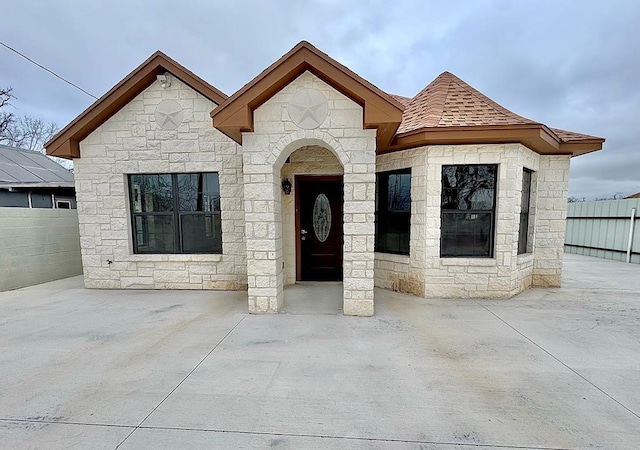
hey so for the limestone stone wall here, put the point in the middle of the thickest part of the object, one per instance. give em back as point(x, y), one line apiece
point(399, 272)
point(265, 150)
point(425, 273)
point(524, 272)
point(551, 214)
point(312, 160)
point(131, 142)
point(506, 273)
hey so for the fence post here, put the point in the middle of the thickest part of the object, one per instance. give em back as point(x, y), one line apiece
point(631, 227)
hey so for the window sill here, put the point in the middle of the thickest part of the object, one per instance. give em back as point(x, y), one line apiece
point(487, 262)
point(171, 257)
point(393, 257)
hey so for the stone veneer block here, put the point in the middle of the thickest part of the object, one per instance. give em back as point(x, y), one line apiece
point(362, 308)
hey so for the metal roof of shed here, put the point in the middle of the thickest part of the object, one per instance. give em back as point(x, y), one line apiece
point(26, 166)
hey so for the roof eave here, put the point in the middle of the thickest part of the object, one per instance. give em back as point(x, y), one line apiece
point(537, 137)
point(66, 143)
point(53, 185)
point(381, 111)
point(582, 147)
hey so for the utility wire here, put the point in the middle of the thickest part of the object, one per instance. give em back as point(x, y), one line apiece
point(50, 71)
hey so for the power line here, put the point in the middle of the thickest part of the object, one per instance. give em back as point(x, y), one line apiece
point(50, 71)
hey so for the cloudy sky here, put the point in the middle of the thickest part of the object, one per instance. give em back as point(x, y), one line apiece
point(569, 64)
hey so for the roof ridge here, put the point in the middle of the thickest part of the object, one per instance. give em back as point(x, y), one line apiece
point(293, 51)
point(450, 76)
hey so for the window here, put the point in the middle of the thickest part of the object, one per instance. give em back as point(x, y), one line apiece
point(393, 211)
point(176, 213)
point(468, 210)
point(523, 235)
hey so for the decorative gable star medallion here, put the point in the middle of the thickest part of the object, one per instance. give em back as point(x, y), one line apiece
point(169, 115)
point(308, 108)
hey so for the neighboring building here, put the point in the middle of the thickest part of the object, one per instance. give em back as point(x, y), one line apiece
point(636, 195)
point(29, 179)
point(310, 172)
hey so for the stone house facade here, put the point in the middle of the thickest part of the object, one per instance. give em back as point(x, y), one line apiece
point(309, 172)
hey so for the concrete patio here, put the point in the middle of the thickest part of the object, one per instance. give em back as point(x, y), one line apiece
point(98, 369)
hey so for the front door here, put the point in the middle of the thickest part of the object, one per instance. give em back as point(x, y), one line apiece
point(319, 228)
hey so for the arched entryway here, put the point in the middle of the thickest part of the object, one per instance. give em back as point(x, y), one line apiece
point(312, 228)
point(315, 174)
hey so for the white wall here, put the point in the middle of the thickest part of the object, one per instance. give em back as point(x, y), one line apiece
point(38, 245)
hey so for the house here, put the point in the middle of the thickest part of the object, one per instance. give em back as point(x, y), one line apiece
point(29, 179)
point(310, 172)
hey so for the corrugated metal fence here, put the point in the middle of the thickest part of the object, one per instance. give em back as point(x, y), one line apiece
point(602, 229)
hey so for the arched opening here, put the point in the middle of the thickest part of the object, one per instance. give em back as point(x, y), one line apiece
point(312, 230)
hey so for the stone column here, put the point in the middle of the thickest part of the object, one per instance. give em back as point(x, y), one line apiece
point(550, 218)
point(263, 230)
point(359, 236)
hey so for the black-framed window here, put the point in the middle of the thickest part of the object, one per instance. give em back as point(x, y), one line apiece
point(393, 211)
point(468, 210)
point(523, 234)
point(176, 213)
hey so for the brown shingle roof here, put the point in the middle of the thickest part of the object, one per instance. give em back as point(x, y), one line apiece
point(446, 112)
point(402, 99)
point(569, 136)
point(449, 105)
point(449, 101)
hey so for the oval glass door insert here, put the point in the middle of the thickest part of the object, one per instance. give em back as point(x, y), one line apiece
point(322, 217)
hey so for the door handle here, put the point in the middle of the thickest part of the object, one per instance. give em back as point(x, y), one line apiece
point(303, 232)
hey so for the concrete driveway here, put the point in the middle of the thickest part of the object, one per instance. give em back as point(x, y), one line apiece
point(555, 368)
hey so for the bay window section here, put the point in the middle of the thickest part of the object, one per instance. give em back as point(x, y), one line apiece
point(393, 211)
point(176, 213)
point(468, 210)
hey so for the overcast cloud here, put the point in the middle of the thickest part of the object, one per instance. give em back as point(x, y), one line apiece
point(568, 64)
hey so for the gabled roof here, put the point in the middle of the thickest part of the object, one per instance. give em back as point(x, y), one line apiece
point(66, 144)
point(449, 111)
point(26, 167)
point(381, 111)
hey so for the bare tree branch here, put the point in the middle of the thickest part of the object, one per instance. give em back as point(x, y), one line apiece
point(26, 132)
point(29, 132)
point(6, 118)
